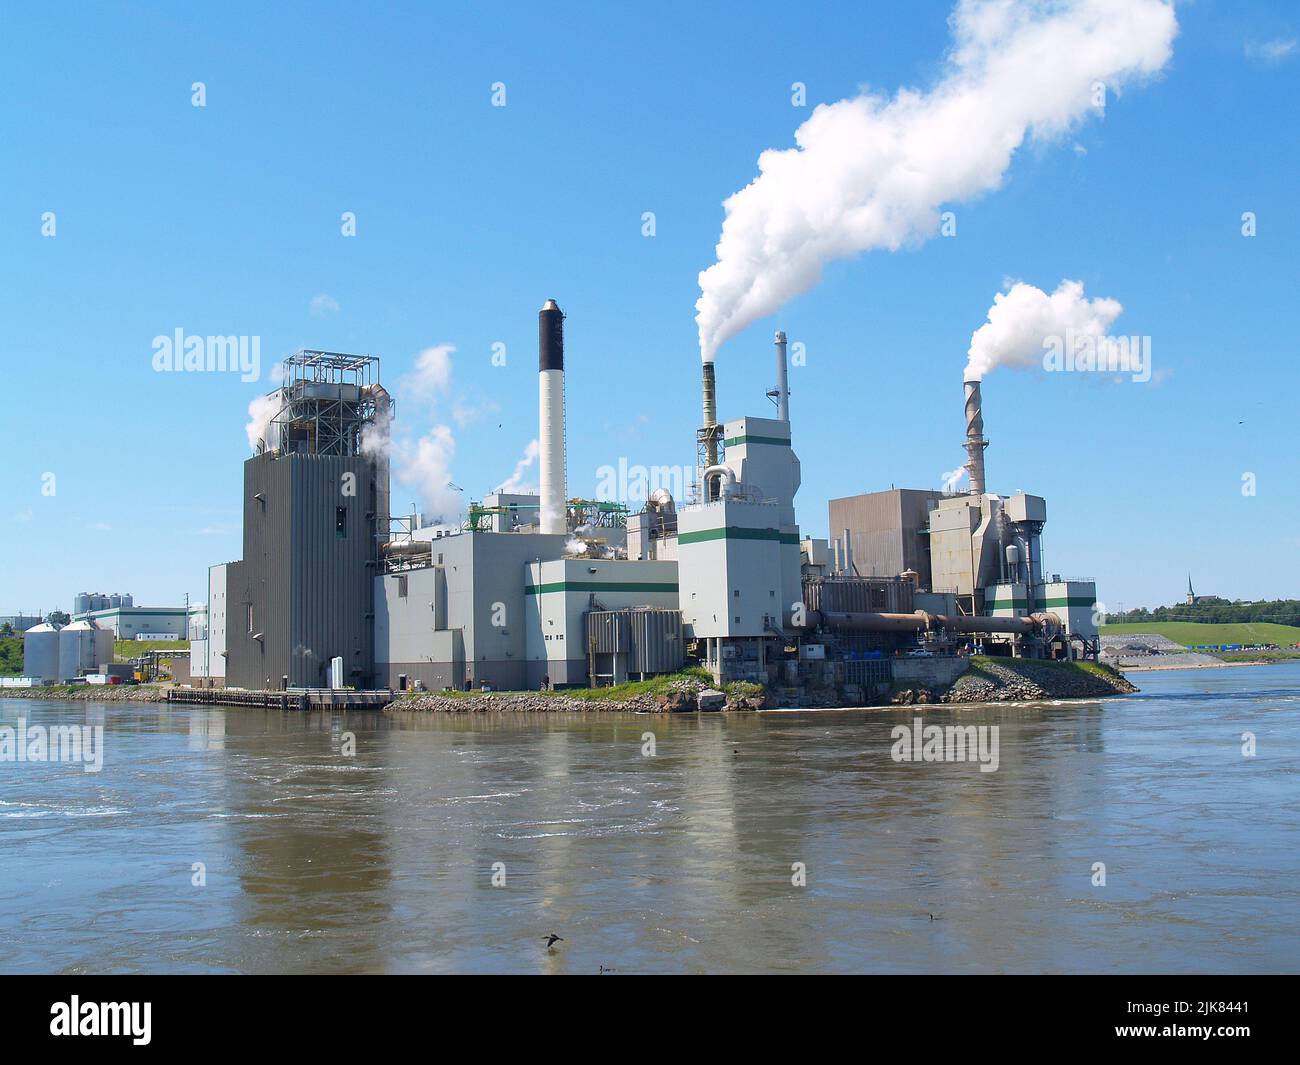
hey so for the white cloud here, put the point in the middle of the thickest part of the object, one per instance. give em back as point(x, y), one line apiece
point(1274, 51)
point(872, 172)
point(323, 304)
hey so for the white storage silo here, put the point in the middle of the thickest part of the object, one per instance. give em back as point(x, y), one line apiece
point(41, 652)
point(83, 647)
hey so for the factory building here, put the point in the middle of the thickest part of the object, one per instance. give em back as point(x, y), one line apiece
point(20, 623)
point(139, 622)
point(883, 534)
point(544, 590)
point(973, 556)
point(738, 547)
point(451, 613)
point(563, 593)
point(301, 610)
point(208, 641)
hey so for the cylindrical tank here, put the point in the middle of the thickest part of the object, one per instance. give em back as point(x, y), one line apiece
point(83, 647)
point(128, 601)
point(81, 603)
point(114, 601)
point(1013, 562)
point(41, 652)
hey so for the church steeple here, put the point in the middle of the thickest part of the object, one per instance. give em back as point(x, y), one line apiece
point(1191, 596)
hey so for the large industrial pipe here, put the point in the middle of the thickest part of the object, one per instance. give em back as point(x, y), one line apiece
point(879, 622)
point(782, 380)
point(975, 442)
point(554, 517)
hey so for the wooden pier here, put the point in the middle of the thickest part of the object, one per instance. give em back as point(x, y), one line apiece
point(292, 699)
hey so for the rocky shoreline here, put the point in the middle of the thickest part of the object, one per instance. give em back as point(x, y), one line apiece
point(93, 693)
point(1022, 680)
point(684, 696)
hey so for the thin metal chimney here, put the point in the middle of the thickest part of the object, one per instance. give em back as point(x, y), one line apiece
point(554, 514)
point(782, 380)
point(975, 442)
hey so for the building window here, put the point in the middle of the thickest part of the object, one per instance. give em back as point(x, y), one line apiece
point(341, 522)
point(401, 587)
point(736, 593)
point(250, 617)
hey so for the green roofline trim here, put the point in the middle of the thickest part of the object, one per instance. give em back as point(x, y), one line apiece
point(777, 441)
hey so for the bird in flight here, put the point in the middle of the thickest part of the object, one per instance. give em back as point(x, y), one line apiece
point(552, 939)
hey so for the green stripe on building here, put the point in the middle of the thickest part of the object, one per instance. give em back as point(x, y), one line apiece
point(599, 586)
point(778, 441)
point(1023, 604)
point(735, 532)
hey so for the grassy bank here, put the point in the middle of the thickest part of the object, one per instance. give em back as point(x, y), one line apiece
point(11, 656)
point(125, 650)
point(1191, 633)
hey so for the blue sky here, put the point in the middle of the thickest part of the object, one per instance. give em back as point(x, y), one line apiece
point(225, 219)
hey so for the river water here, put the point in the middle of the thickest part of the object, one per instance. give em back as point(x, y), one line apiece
point(383, 860)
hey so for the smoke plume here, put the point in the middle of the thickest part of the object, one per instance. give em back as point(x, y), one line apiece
point(516, 485)
point(260, 413)
point(871, 172)
point(1023, 318)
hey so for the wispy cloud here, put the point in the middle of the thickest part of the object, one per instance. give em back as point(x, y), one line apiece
point(1274, 51)
point(323, 304)
point(100, 526)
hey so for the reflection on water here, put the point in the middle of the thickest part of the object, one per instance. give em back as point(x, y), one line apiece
point(383, 861)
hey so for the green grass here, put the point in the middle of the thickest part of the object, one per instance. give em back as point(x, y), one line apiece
point(1258, 656)
point(1189, 633)
point(11, 656)
point(125, 650)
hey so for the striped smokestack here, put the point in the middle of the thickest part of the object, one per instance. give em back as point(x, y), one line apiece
point(550, 428)
point(975, 442)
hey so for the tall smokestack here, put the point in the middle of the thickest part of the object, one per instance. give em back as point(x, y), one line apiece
point(975, 442)
point(710, 388)
point(782, 381)
point(708, 434)
point(550, 434)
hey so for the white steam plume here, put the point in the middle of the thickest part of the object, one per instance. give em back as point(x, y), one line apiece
point(516, 485)
point(260, 412)
point(1023, 318)
point(871, 172)
point(425, 463)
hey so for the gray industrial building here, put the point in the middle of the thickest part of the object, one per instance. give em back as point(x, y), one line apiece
point(883, 534)
point(455, 618)
point(302, 595)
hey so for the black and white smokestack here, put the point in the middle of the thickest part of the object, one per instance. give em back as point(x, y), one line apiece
point(550, 420)
point(550, 346)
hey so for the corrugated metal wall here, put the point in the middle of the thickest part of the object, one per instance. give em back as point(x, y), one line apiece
point(310, 587)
